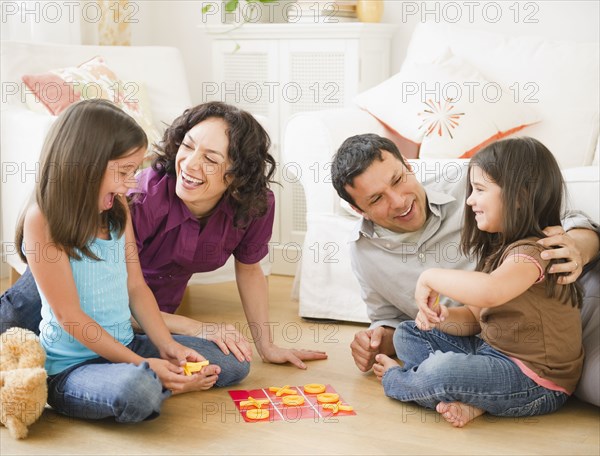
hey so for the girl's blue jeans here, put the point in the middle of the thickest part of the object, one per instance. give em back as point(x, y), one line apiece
point(100, 389)
point(439, 367)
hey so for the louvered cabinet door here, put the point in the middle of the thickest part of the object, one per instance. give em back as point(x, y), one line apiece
point(246, 74)
point(318, 74)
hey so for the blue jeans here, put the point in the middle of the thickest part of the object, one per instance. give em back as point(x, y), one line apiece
point(439, 367)
point(21, 306)
point(100, 389)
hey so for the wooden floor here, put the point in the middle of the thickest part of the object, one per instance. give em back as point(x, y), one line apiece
point(207, 422)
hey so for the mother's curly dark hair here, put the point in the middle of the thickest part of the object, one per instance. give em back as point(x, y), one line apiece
point(252, 166)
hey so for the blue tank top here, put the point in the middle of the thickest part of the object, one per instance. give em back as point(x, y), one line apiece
point(103, 295)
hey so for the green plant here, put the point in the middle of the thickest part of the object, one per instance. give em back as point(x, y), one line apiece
point(231, 5)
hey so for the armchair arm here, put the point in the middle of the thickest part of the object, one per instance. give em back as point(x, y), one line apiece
point(310, 141)
point(21, 138)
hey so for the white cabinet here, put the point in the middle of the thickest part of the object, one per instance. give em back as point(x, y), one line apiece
point(278, 70)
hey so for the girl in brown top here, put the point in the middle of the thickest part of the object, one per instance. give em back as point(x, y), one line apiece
point(515, 348)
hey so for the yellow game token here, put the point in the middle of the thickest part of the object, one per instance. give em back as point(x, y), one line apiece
point(283, 390)
point(337, 407)
point(436, 305)
point(190, 368)
point(257, 414)
point(251, 402)
point(328, 397)
point(292, 400)
point(314, 388)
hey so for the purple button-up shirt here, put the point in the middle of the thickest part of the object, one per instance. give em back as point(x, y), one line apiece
point(172, 245)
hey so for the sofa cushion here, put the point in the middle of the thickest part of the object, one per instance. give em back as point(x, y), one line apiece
point(558, 78)
point(588, 389)
point(447, 106)
point(583, 188)
point(59, 88)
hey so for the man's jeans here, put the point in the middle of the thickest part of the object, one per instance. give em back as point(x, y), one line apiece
point(99, 389)
point(439, 367)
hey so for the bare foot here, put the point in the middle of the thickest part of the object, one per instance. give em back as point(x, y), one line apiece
point(201, 381)
point(382, 364)
point(457, 413)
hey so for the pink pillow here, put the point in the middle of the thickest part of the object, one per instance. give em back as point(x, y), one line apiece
point(52, 91)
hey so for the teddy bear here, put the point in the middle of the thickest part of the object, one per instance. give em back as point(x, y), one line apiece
point(23, 390)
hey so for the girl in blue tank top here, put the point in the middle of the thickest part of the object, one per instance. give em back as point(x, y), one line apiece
point(77, 238)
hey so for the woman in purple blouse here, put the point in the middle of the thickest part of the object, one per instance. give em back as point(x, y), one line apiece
point(204, 199)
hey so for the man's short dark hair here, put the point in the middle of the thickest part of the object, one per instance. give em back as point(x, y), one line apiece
point(354, 156)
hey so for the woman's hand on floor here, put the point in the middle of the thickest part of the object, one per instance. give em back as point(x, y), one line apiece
point(280, 355)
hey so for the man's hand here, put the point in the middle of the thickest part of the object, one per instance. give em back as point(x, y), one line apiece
point(367, 344)
point(561, 246)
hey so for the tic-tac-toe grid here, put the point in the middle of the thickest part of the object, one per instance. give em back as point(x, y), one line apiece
point(278, 411)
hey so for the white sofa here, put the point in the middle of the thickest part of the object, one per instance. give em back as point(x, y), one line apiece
point(568, 78)
point(23, 130)
point(160, 69)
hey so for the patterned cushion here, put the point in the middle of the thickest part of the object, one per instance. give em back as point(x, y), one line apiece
point(55, 90)
point(447, 107)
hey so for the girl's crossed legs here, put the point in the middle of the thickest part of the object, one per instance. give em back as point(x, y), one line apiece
point(99, 389)
point(460, 377)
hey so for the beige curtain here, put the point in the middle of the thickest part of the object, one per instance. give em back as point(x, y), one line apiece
point(114, 26)
point(41, 21)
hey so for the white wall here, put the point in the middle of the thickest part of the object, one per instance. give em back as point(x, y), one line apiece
point(559, 20)
point(181, 24)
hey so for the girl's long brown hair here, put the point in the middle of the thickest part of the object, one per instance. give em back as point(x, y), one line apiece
point(532, 190)
point(74, 158)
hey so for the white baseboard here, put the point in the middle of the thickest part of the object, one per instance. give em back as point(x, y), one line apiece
point(285, 259)
point(281, 260)
point(4, 266)
point(4, 270)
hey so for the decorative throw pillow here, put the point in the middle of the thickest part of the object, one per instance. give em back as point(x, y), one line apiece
point(447, 107)
point(57, 89)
